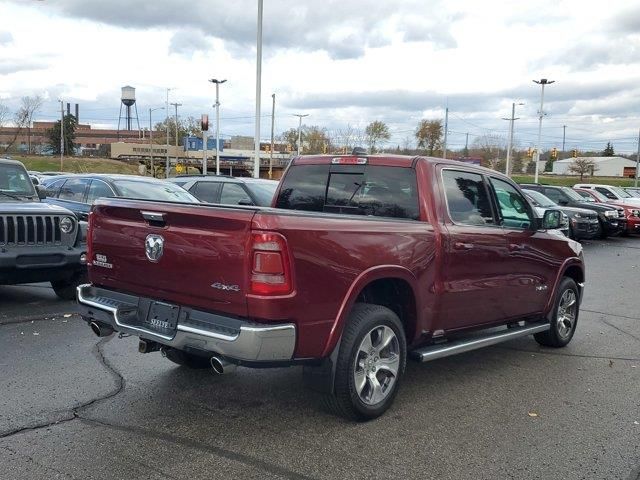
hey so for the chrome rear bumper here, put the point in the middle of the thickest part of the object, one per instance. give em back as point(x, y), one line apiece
point(216, 334)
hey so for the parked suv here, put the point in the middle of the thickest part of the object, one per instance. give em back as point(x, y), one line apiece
point(611, 218)
point(615, 194)
point(631, 213)
point(38, 242)
point(227, 190)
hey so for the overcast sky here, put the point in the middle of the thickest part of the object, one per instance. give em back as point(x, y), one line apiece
point(342, 62)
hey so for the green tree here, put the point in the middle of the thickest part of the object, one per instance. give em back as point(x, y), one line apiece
point(375, 132)
point(187, 127)
point(429, 135)
point(70, 126)
point(608, 150)
point(315, 140)
point(291, 137)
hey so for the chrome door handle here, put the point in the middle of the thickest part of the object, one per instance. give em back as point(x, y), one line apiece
point(462, 246)
point(516, 247)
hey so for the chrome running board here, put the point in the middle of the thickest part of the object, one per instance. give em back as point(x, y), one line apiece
point(433, 352)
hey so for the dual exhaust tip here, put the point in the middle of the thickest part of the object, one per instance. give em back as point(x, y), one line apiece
point(219, 365)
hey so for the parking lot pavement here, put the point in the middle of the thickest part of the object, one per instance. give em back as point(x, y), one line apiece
point(30, 302)
point(74, 406)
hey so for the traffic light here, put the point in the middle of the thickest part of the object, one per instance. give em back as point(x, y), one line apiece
point(289, 148)
point(575, 153)
point(554, 153)
point(530, 152)
point(267, 147)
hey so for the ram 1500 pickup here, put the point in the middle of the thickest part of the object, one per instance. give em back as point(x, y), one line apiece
point(362, 262)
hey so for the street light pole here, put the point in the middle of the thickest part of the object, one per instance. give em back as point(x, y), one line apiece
point(541, 82)
point(273, 119)
point(300, 117)
point(217, 105)
point(510, 145)
point(637, 161)
point(151, 138)
point(256, 167)
point(167, 143)
point(61, 134)
point(177, 131)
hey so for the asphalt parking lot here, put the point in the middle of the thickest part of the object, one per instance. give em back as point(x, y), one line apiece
point(77, 407)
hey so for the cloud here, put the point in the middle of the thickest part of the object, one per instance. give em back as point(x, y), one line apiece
point(6, 38)
point(9, 66)
point(187, 42)
point(342, 29)
point(627, 21)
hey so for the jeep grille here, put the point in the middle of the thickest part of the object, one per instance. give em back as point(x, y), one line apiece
point(20, 230)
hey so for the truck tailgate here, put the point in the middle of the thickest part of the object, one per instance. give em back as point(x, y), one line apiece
point(203, 262)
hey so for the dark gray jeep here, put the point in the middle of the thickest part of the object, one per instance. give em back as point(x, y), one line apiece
point(38, 242)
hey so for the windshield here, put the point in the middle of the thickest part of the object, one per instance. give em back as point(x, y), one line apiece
point(14, 180)
point(263, 191)
point(540, 199)
point(154, 191)
point(572, 194)
point(621, 193)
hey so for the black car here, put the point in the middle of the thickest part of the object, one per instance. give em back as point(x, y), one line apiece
point(611, 218)
point(583, 223)
point(228, 190)
point(78, 192)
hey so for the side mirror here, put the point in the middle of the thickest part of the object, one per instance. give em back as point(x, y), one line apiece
point(562, 201)
point(42, 192)
point(552, 219)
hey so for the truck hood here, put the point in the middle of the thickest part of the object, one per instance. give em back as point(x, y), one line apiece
point(596, 207)
point(570, 211)
point(31, 208)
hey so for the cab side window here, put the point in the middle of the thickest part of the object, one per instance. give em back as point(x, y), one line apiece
point(553, 194)
point(53, 190)
point(606, 193)
point(74, 189)
point(99, 189)
point(467, 198)
point(512, 205)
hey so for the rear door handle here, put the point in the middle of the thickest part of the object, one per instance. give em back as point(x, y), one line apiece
point(462, 246)
point(516, 247)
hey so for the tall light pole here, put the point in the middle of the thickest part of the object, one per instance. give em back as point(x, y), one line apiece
point(256, 166)
point(61, 134)
point(217, 105)
point(510, 145)
point(446, 130)
point(542, 82)
point(176, 104)
point(151, 138)
point(273, 121)
point(637, 162)
point(300, 117)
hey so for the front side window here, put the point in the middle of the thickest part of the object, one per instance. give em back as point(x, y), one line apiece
point(234, 194)
point(98, 189)
point(512, 205)
point(206, 191)
point(467, 198)
point(73, 189)
point(604, 191)
point(553, 194)
point(14, 180)
point(53, 189)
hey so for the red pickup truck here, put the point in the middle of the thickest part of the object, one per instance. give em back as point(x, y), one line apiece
point(363, 262)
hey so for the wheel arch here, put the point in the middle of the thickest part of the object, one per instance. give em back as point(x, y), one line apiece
point(572, 268)
point(391, 286)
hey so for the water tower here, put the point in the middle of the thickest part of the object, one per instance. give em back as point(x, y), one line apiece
point(128, 100)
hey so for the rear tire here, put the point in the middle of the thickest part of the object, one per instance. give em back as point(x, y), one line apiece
point(66, 289)
point(370, 364)
point(564, 316)
point(185, 359)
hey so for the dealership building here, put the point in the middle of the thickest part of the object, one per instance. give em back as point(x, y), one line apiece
point(603, 166)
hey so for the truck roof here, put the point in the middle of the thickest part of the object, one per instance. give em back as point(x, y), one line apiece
point(8, 161)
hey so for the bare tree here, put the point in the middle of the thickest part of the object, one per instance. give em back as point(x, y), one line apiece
point(20, 122)
point(583, 166)
point(28, 108)
point(4, 114)
point(489, 147)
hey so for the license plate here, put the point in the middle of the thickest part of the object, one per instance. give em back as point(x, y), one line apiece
point(162, 318)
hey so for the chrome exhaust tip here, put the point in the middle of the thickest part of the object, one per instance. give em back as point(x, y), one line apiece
point(221, 366)
point(100, 329)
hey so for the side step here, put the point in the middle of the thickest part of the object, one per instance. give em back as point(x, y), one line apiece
point(433, 352)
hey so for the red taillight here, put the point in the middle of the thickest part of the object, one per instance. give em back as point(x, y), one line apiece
point(270, 268)
point(89, 239)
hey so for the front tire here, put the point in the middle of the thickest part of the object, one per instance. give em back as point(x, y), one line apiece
point(564, 317)
point(370, 364)
point(66, 289)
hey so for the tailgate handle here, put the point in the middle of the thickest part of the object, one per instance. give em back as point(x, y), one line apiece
point(155, 217)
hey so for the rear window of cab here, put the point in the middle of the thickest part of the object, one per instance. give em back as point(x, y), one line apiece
point(379, 191)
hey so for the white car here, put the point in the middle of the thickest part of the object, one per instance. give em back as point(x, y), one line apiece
point(615, 194)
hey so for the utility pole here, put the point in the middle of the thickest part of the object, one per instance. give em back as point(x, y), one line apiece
point(541, 82)
point(256, 167)
point(300, 117)
point(564, 133)
point(466, 145)
point(510, 145)
point(61, 135)
point(217, 105)
point(151, 139)
point(446, 127)
point(177, 131)
point(273, 121)
point(637, 161)
point(167, 143)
